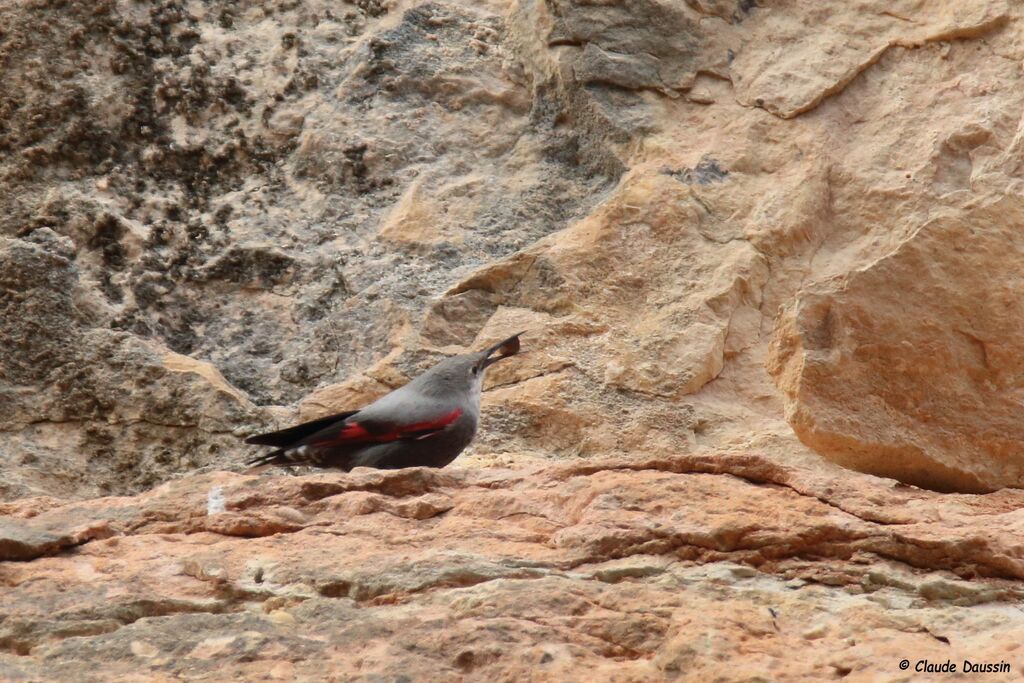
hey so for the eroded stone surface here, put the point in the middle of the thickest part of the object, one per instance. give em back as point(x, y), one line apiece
point(740, 238)
point(624, 570)
point(926, 338)
point(227, 183)
point(798, 57)
point(316, 206)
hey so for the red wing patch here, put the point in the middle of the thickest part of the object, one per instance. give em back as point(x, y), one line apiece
point(354, 433)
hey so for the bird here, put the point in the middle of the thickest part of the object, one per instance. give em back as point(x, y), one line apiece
point(427, 422)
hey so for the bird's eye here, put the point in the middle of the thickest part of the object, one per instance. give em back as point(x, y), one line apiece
point(475, 370)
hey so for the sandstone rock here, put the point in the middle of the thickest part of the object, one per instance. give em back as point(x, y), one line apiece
point(840, 43)
point(73, 390)
point(217, 183)
point(416, 221)
point(923, 343)
point(745, 242)
point(608, 569)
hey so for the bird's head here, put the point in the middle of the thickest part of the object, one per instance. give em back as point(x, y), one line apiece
point(466, 372)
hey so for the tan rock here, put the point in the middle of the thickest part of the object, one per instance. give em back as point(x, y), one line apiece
point(667, 342)
point(416, 220)
point(744, 242)
point(775, 73)
point(923, 342)
point(610, 569)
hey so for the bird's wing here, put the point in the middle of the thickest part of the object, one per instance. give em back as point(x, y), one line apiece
point(377, 430)
point(286, 437)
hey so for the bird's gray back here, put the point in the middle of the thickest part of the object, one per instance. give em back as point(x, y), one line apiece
point(413, 405)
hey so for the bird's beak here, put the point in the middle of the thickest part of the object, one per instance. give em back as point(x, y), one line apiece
point(509, 347)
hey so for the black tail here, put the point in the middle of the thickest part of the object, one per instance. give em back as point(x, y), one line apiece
point(273, 458)
point(286, 437)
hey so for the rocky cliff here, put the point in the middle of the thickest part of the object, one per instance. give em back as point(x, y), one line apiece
point(766, 254)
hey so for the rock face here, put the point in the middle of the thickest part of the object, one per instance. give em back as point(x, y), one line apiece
point(749, 243)
point(278, 192)
point(926, 339)
point(605, 570)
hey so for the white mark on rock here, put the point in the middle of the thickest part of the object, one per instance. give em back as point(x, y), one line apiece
point(215, 501)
